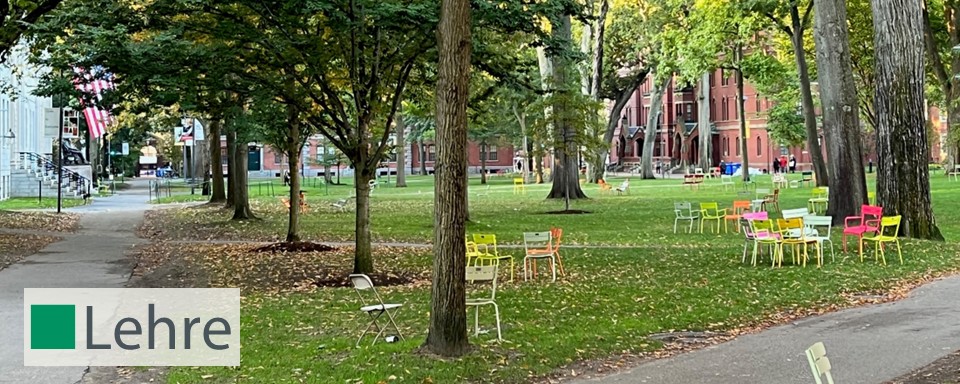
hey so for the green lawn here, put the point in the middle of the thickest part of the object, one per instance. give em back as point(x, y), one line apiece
point(32, 203)
point(607, 305)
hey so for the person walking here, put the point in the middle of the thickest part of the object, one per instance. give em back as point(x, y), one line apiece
point(776, 165)
point(793, 164)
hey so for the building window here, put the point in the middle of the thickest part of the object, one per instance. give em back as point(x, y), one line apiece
point(490, 154)
point(689, 109)
point(278, 157)
point(431, 153)
point(759, 147)
point(679, 111)
point(736, 109)
point(223, 156)
point(713, 109)
point(723, 77)
point(723, 109)
point(758, 103)
point(737, 145)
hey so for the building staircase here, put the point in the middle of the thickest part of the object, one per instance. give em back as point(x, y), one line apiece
point(36, 175)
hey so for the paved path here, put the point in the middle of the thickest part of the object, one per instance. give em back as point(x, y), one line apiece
point(866, 345)
point(93, 257)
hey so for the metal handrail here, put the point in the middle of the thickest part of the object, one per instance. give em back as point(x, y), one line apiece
point(83, 183)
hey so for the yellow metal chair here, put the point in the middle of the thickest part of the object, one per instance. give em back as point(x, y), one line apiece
point(518, 186)
point(820, 199)
point(889, 228)
point(472, 252)
point(763, 234)
point(793, 234)
point(489, 255)
point(711, 211)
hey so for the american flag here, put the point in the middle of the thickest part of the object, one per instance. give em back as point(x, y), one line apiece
point(92, 83)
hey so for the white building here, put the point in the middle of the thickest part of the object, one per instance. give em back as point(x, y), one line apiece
point(21, 116)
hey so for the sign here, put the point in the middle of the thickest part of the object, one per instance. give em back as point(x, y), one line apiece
point(125, 149)
point(131, 327)
point(51, 121)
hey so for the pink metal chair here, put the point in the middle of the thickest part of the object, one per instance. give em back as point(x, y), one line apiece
point(867, 222)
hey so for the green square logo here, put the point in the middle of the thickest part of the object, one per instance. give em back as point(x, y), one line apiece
point(53, 327)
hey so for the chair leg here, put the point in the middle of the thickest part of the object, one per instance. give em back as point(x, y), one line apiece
point(844, 238)
point(496, 311)
point(526, 262)
point(476, 322)
point(560, 263)
point(394, 323)
point(675, 224)
point(553, 267)
point(900, 255)
point(860, 242)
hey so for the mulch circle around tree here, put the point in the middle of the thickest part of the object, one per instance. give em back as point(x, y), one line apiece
point(387, 279)
point(296, 246)
point(568, 212)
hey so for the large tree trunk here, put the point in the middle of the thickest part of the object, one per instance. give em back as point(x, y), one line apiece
point(538, 166)
point(806, 99)
point(841, 120)
point(231, 169)
point(566, 183)
point(241, 203)
point(903, 179)
point(401, 154)
point(613, 120)
point(650, 135)
point(363, 251)
point(744, 155)
point(447, 333)
point(217, 195)
point(703, 123)
point(293, 153)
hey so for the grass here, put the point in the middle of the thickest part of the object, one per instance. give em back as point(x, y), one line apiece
point(15, 203)
point(611, 300)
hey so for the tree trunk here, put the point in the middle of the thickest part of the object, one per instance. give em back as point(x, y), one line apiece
point(650, 135)
point(401, 154)
point(363, 251)
point(231, 169)
point(703, 123)
point(293, 153)
point(903, 178)
point(327, 178)
point(483, 163)
point(538, 164)
point(613, 120)
point(841, 120)
point(598, 39)
point(447, 333)
point(806, 100)
point(217, 193)
point(241, 203)
point(423, 157)
point(744, 156)
point(566, 183)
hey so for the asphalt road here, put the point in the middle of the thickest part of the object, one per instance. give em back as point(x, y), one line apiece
point(869, 344)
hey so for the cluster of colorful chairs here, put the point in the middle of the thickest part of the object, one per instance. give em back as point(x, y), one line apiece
point(482, 250)
point(797, 229)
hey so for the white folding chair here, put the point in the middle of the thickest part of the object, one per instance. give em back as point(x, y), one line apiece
point(819, 363)
point(684, 211)
point(822, 226)
point(480, 274)
point(538, 245)
point(376, 309)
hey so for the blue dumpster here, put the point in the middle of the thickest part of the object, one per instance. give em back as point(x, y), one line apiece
point(733, 167)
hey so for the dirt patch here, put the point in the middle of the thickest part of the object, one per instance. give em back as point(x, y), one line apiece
point(41, 221)
point(943, 371)
point(163, 266)
point(338, 279)
point(14, 248)
point(568, 212)
point(124, 375)
point(296, 246)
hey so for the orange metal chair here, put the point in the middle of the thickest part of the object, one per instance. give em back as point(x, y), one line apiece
point(555, 235)
point(739, 207)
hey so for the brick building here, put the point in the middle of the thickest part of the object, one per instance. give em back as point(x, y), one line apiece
point(679, 125)
point(265, 161)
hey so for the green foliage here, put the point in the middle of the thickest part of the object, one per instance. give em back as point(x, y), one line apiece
point(785, 122)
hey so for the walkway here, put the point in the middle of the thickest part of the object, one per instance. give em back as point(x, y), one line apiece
point(93, 257)
point(866, 345)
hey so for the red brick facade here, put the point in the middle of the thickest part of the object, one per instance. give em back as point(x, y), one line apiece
point(679, 125)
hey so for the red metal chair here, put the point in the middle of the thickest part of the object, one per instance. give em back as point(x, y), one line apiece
point(867, 222)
